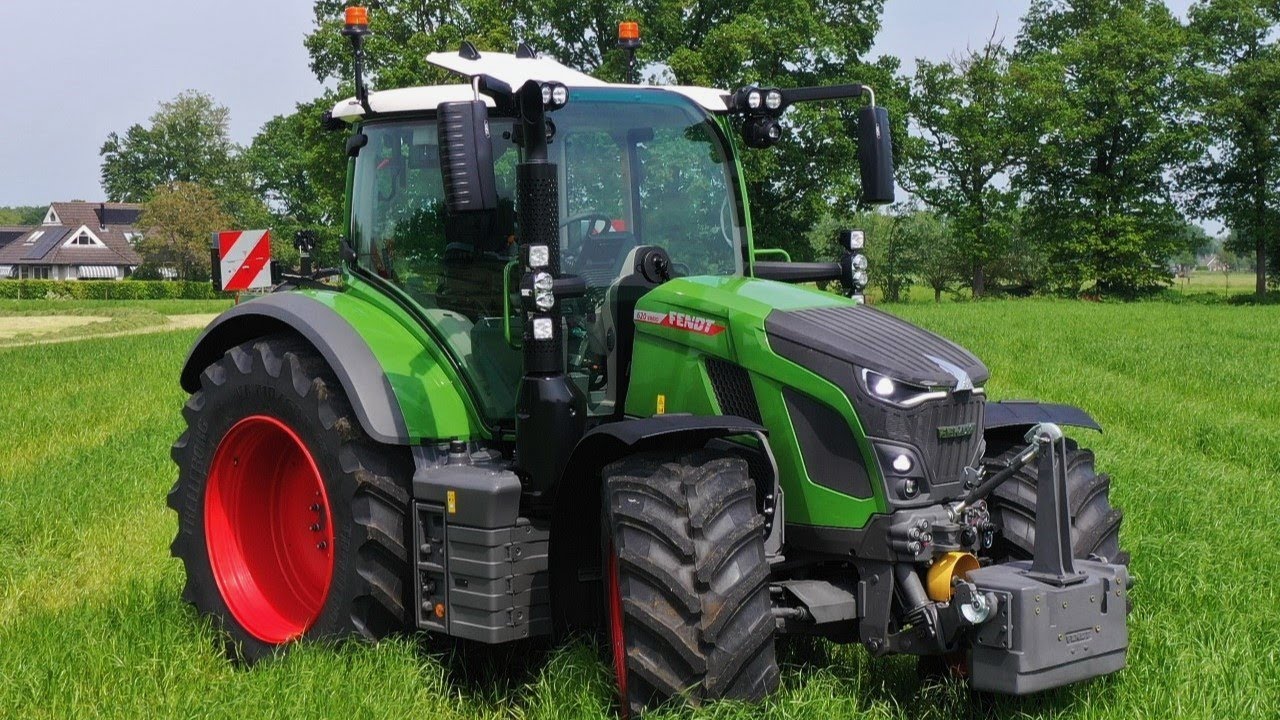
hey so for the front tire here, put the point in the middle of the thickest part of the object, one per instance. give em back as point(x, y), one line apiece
point(1095, 524)
point(292, 523)
point(686, 581)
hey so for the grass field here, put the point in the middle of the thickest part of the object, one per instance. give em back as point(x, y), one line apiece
point(91, 624)
point(26, 321)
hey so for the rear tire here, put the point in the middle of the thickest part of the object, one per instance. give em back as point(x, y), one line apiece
point(279, 484)
point(1095, 524)
point(686, 581)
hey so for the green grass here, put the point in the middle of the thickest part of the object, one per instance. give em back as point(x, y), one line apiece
point(98, 307)
point(91, 624)
point(124, 315)
point(1203, 281)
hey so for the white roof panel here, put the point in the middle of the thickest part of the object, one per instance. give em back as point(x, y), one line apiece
point(511, 70)
point(406, 100)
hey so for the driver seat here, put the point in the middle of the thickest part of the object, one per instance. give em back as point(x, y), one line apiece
point(601, 257)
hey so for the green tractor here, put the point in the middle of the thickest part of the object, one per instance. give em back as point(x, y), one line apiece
point(559, 390)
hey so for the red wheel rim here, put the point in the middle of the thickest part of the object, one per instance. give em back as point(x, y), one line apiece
point(616, 641)
point(268, 529)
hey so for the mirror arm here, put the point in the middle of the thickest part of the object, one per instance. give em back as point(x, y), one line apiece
point(818, 93)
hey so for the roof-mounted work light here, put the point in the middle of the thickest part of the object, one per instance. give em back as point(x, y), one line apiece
point(554, 95)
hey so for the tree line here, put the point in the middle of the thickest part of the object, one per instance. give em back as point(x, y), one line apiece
point(1070, 158)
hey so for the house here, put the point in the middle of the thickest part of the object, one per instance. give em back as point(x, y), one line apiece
point(1215, 263)
point(10, 233)
point(76, 241)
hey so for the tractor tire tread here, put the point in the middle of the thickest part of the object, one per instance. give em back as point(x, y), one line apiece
point(690, 522)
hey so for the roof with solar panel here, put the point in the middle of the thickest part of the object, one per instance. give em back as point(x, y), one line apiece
point(86, 234)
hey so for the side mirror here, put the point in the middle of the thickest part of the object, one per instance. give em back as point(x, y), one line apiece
point(466, 157)
point(875, 155)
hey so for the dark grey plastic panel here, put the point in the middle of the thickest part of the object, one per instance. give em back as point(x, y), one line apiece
point(831, 457)
point(484, 495)
point(1044, 636)
point(485, 584)
point(870, 338)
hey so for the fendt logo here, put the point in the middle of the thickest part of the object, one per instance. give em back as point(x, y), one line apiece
point(680, 321)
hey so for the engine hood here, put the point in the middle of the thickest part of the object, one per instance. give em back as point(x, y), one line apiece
point(875, 340)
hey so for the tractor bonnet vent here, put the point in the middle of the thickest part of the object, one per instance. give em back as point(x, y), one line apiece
point(869, 338)
point(733, 389)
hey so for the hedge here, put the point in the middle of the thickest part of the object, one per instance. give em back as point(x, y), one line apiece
point(107, 290)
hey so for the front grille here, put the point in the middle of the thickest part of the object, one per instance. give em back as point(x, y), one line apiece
point(918, 426)
point(947, 458)
point(732, 386)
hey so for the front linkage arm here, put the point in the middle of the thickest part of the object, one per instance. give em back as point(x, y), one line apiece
point(933, 627)
point(1052, 561)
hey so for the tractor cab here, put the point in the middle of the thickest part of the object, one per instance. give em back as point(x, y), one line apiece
point(640, 170)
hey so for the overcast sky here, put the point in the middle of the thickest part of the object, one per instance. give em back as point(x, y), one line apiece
point(76, 70)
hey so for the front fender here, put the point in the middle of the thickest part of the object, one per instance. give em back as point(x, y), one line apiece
point(575, 524)
point(394, 407)
point(1017, 416)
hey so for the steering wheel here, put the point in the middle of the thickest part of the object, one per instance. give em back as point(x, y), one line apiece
point(726, 217)
point(597, 224)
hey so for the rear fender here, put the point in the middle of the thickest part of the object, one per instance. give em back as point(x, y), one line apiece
point(386, 406)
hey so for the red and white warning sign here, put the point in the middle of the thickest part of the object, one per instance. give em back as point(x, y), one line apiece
point(244, 259)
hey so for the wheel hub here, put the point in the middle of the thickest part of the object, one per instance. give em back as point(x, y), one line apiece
point(268, 529)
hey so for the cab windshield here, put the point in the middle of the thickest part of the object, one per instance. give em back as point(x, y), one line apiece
point(637, 168)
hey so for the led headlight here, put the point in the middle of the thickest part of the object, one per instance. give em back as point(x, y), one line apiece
point(554, 95)
point(543, 295)
point(773, 99)
point(859, 262)
point(896, 392)
point(860, 277)
point(754, 99)
point(539, 256)
point(905, 475)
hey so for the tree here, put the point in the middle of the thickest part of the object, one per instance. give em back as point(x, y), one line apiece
point(966, 143)
point(936, 255)
point(405, 31)
point(22, 214)
point(1236, 49)
point(177, 223)
point(187, 141)
point(299, 169)
point(722, 43)
point(1097, 83)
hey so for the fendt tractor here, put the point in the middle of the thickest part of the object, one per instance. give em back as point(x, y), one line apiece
point(556, 388)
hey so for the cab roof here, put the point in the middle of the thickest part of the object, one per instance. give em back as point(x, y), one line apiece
point(511, 69)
